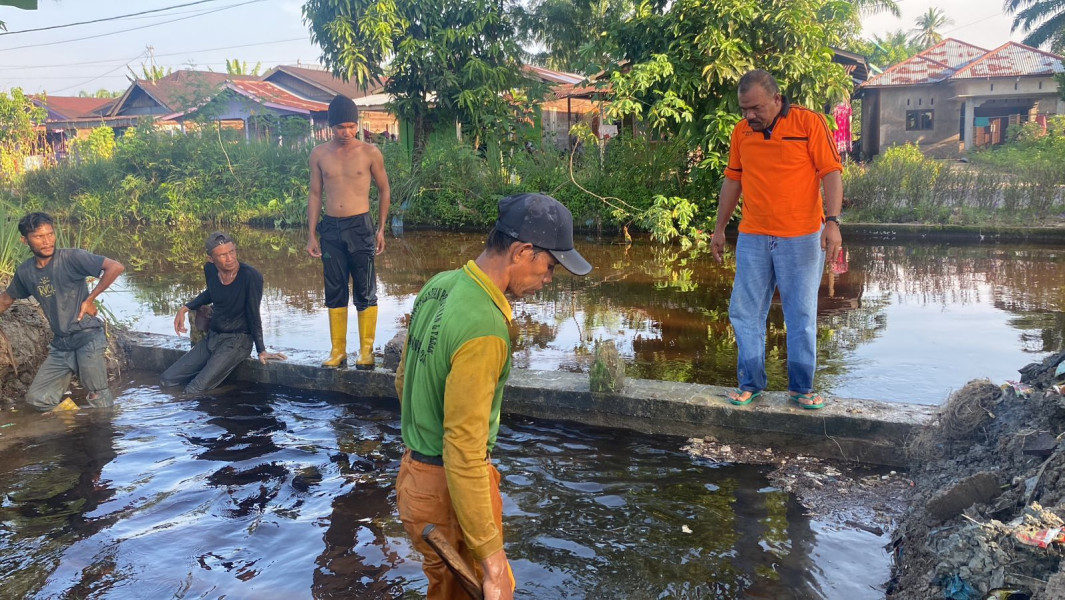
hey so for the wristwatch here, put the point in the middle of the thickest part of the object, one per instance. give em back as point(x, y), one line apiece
point(833, 219)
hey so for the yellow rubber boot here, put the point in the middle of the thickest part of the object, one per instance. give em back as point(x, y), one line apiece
point(338, 332)
point(367, 332)
point(66, 404)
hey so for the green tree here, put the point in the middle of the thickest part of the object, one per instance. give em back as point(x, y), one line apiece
point(687, 58)
point(19, 138)
point(926, 34)
point(239, 67)
point(100, 93)
point(874, 7)
point(444, 59)
point(1043, 21)
point(887, 50)
point(150, 72)
point(99, 145)
point(567, 28)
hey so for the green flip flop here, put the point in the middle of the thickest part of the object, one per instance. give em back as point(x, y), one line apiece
point(819, 401)
point(739, 392)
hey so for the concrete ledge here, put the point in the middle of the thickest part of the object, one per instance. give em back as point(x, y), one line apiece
point(855, 430)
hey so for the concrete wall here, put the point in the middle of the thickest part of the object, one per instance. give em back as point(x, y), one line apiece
point(945, 132)
point(849, 429)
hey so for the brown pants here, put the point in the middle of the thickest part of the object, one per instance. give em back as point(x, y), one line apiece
point(423, 498)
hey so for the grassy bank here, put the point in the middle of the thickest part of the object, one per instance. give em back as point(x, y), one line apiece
point(1019, 184)
point(155, 177)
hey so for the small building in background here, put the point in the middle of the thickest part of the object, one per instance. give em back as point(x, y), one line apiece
point(955, 97)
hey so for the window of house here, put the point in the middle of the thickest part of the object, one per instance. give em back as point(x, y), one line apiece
point(918, 120)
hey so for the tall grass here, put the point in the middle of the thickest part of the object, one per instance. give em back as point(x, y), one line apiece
point(12, 250)
point(154, 177)
point(902, 185)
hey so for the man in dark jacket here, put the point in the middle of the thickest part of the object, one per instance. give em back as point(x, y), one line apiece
point(235, 289)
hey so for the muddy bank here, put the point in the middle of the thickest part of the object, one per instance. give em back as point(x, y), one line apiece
point(24, 338)
point(989, 498)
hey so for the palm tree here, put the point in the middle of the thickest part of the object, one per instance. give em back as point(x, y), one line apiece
point(1042, 20)
point(872, 7)
point(926, 34)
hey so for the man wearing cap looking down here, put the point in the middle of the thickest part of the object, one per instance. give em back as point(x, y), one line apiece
point(235, 291)
point(450, 380)
point(346, 239)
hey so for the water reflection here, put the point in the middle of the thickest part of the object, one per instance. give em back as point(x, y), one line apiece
point(276, 493)
point(906, 322)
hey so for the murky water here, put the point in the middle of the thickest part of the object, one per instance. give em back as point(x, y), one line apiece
point(267, 493)
point(905, 322)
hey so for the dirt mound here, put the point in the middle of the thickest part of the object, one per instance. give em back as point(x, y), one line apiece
point(989, 499)
point(24, 338)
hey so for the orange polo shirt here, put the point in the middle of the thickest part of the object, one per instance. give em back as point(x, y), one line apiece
point(780, 170)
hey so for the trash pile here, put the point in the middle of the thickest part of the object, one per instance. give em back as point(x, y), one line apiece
point(986, 519)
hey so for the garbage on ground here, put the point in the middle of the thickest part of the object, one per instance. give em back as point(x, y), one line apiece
point(1007, 594)
point(956, 588)
point(1021, 390)
point(1041, 538)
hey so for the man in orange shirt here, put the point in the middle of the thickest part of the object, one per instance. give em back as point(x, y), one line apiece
point(780, 158)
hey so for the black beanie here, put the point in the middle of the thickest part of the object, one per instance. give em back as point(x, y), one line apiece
point(342, 110)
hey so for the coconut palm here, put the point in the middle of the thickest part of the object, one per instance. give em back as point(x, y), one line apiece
point(872, 7)
point(1042, 20)
point(926, 34)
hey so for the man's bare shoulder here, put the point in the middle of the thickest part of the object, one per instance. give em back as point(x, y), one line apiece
point(322, 149)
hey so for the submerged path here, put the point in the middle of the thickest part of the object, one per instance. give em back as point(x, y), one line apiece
point(866, 431)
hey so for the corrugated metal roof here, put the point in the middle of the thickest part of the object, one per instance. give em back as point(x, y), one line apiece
point(953, 53)
point(73, 107)
point(270, 93)
point(1011, 60)
point(551, 76)
point(930, 66)
point(952, 59)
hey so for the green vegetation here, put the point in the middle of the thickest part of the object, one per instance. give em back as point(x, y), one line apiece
point(155, 177)
point(12, 250)
point(18, 131)
point(1019, 184)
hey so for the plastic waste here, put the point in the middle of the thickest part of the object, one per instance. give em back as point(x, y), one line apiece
point(1020, 390)
point(1041, 538)
point(956, 588)
point(1007, 594)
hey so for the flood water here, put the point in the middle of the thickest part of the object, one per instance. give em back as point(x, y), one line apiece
point(900, 321)
point(266, 493)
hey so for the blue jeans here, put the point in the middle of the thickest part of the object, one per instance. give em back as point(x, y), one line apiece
point(59, 366)
point(793, 265)
point(209, 362)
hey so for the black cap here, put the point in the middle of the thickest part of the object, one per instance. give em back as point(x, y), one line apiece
point(542, 221)
point(342, 110)
point(216, 239)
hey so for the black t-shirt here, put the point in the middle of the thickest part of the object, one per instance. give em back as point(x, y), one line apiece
point(60, 288)
point(236, 306)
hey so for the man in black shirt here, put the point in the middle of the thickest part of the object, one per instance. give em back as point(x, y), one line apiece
point(235, 289)
point(56, 278)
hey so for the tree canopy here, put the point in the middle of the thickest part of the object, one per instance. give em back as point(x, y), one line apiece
point(684, 60)
point(440, 59)
point(1042, 20)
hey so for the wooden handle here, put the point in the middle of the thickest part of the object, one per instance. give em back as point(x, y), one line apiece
point(454, 562)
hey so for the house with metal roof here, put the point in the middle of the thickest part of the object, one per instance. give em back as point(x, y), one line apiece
point(955, 97)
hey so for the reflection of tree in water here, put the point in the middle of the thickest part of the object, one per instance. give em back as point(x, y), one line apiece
point(666, 311)
point(47, 502)
point(1024, 281)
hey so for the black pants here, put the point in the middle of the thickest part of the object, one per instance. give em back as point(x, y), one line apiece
point(348, 248)
point(209, 362)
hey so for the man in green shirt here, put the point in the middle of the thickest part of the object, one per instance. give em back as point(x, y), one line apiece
point(450, 381)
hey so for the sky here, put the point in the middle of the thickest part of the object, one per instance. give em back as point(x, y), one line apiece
point(60, 61)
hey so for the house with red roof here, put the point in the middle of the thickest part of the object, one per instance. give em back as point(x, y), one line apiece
point(955, 97)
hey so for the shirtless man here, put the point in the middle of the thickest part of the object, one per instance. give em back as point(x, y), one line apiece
point(345, 238)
